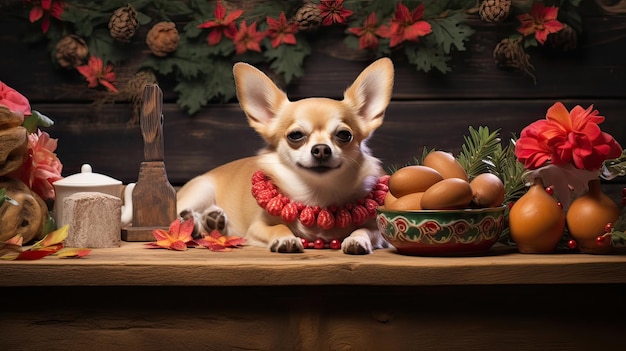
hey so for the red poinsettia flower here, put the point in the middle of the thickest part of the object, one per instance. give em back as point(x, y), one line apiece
point(567, 137)
point(41, 166)
point(222, 25)
point(13, 100)
point(368, 34)
point(44, 9)
point(281, 31)
point(541, 20)
point(178, 237)
point(332, 11)
point(248, 38)
point(406, 25)
point(96, 74)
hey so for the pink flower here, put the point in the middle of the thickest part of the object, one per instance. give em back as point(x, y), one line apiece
point(541, 20)
point(41, 165)
point(13, 100)
point(567, 137)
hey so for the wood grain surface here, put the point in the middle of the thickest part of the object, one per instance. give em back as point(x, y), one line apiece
point(134, 264)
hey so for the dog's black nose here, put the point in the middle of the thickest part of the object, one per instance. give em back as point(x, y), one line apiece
point(321, 151)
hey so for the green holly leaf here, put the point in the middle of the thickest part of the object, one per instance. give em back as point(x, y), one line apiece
point(175, 8)
point(216, 83)
point(288, 60)
point(450, 31)
point(426, 57)
point(102, 45)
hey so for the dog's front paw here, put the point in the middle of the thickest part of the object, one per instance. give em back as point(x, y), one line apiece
point(356, 245)
point(214, 219)
point(287, 244)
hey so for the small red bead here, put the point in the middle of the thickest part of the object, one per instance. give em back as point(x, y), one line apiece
point(550, 190)
point(608, 227)
point(319, 244)
point(335, 244)
point(601, 240)
point(559, 204)
point(572, 244)
point(305, 243)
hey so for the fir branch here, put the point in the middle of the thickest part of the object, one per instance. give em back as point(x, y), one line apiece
point(510, 171)
point(477, 153)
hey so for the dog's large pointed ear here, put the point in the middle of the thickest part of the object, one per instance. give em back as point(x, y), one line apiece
point(258, 96)
point(371, 92)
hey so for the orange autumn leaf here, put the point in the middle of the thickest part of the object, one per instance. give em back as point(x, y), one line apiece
point(215, 241)
point(178, 237)
point(52, 238)
point(73, 253)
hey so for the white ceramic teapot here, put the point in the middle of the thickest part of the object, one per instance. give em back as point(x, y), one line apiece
point(87, 181)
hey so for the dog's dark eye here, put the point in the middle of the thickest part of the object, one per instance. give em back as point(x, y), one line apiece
point(344, 136)
point(295, 136)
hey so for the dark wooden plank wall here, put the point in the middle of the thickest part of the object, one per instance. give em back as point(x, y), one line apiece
point(428, 109)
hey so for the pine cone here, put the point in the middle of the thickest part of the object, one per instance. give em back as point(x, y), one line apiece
point(494, 11)
point(71, 51)
point(308, 17)
point(123, 23)
point(509, 55)
point(566, 39)
point(163, 38)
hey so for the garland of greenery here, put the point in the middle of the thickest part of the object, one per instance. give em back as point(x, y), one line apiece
point(185, 46)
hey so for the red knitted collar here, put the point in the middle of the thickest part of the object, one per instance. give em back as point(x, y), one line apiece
point(269, 197)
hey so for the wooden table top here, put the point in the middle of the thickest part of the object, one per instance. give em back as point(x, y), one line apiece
point(132, 264)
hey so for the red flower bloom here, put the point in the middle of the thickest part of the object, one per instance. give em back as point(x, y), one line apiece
point(567, 137)
point(177, 237)
point(13, 100)
point(332, 11)
point(41, 166)
point(224, 24)
point(541, 20)
point(405, 25)
point(281, 31)
point(44, 9)
point(97, 74)
point(247, 38)
point(368, 34)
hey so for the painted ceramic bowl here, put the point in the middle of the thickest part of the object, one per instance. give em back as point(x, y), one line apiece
point(441, 232)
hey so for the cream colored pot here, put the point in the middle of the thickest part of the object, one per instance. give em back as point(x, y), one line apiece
point(87, 181)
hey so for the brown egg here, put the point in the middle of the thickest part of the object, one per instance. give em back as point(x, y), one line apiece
point(488, 190)
point(412, 179)
point(389, 198)
point(409, 202)
point(448, 194)
point(445, 163)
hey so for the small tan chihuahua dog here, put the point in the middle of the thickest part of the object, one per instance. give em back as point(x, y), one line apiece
point(315, 184)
